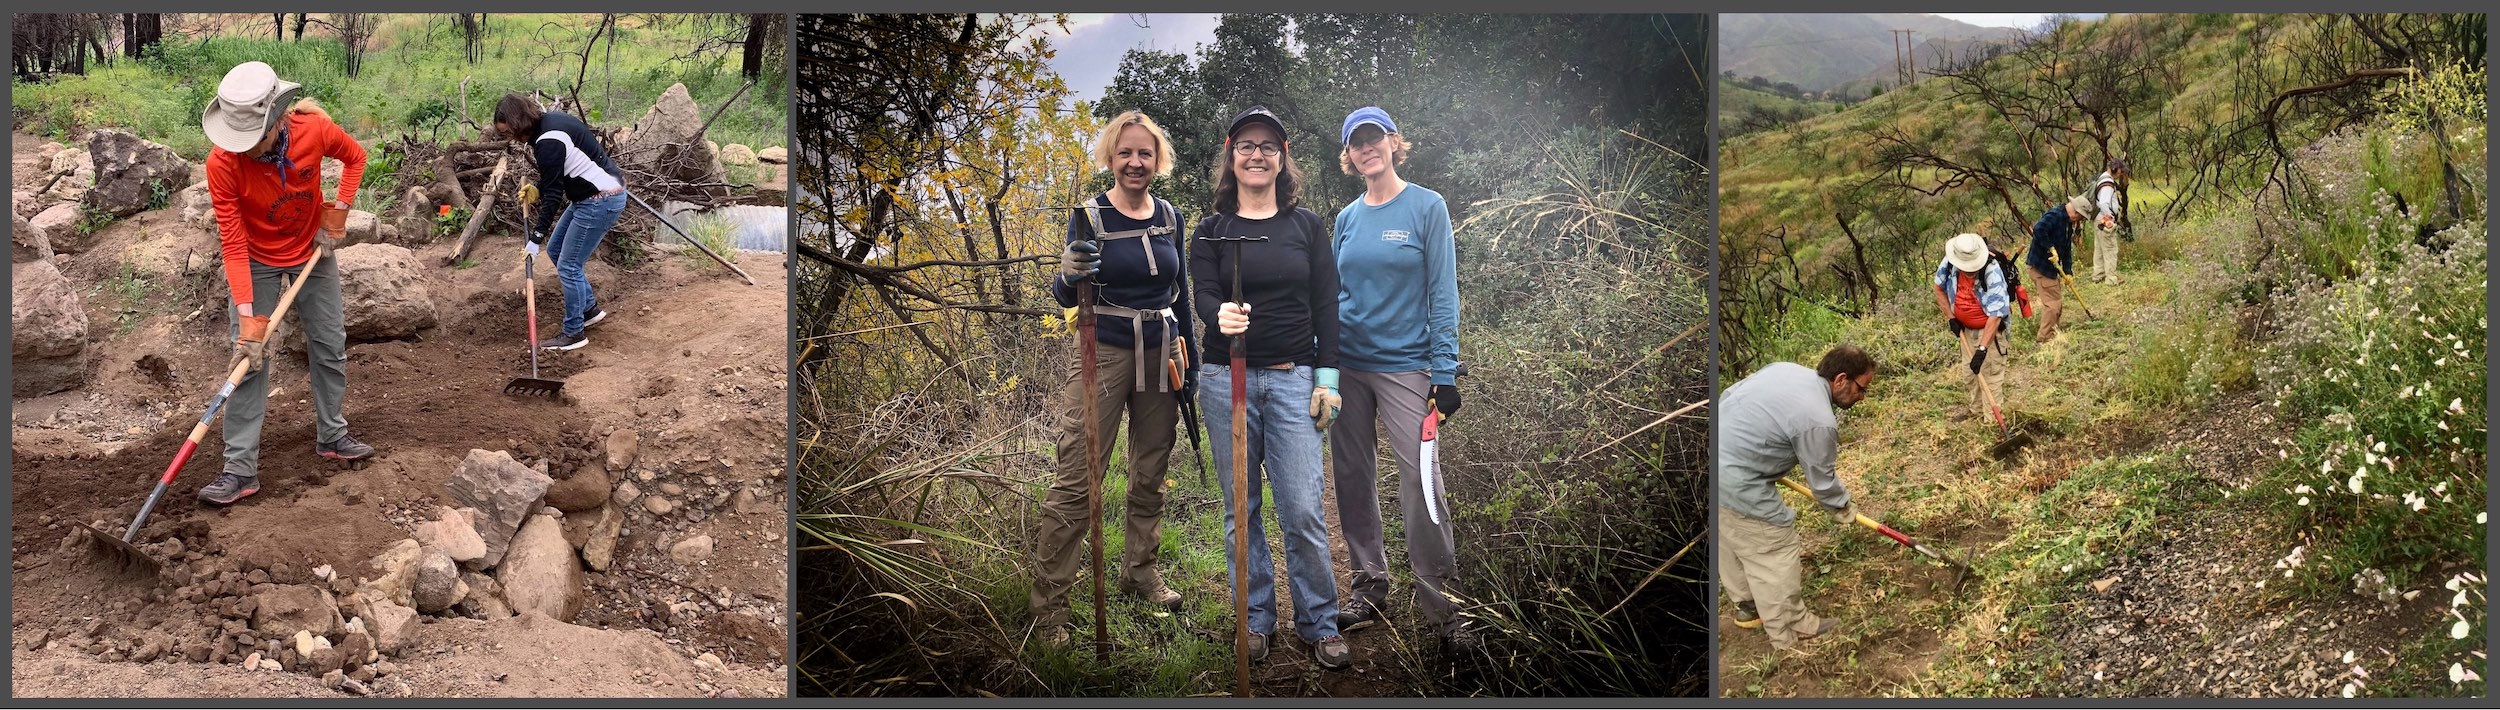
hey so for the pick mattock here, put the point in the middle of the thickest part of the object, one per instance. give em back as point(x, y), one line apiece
point(698, 244)
point(1094, 464)
point(2011, 440)
point(531, 386)
point(1961, 569)
point(120, 553)
point(1241, 483)
point(2069, 281)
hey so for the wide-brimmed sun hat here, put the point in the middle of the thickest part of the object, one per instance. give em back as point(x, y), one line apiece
point(1968, 252)
point(248, 100)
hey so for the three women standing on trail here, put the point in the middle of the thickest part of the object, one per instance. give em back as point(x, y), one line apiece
point(1126, 242)
point(1399, 345)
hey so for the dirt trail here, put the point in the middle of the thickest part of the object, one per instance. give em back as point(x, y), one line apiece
point(690, 358)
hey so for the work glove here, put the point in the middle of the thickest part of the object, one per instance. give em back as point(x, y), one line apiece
point(1232, 319)
point(1978, 356)
point(2106, 222)
point(1445, 399)
point(1081, 259)
point(252, 344)
point(1844, 515)
point(333, 225)
point(1324, 399)
point(529, 247)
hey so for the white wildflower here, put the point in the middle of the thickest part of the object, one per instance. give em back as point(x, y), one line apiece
point(2456, 673)
point(2350, 689)
point(2456, 406)
point(2460, 629)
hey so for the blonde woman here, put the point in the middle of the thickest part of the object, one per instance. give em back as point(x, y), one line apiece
point(1126, 242)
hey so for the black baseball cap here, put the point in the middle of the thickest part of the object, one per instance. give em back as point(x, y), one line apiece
point(1257, 114)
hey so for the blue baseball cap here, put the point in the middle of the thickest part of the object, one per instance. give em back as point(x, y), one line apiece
point(1368, 114)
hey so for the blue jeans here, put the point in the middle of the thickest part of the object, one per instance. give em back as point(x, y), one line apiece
point(577, 234)
point(1286, 448)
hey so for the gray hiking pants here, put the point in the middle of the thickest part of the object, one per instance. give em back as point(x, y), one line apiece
point(1398, 402)
point(320, 316)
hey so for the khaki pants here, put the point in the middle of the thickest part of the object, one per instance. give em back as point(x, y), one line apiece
point(1758, 562)
point(2050, 296)
point(1994, 368)
point(2105, 255)
point(1059, 548)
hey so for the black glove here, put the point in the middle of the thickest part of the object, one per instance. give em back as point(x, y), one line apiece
point(1977, 357)
point(1952, 326)
point(1445, 398)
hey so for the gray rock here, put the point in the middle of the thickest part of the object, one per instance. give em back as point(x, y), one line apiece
point(383, 292)
point(438, 583)
point(48, 336)
point(132, 174)
point(27, 242)
point(691, 550)
point(503, 492)
point(624, 447)
point(541, 573)
point(60, 228)
point(287, 609)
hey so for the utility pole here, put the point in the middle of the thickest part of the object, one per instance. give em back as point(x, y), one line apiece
point(1904, 56)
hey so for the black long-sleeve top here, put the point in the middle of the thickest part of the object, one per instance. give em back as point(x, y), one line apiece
point(572, 166)
point(1289, 279)
point(1131, 276)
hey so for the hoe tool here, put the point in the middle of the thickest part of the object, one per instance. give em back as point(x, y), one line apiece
point(118, 552)
point(2012, 440)
point(1241, 485)
point(532, 386)
point(698, 244)
point(2069, 281)
point(1961, 569)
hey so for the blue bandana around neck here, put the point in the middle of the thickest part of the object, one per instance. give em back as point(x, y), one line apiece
point(277, 156)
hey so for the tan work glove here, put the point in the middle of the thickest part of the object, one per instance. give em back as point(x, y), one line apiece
point(252, 344)
point(333, 225)
point(1324, 399)
point(1844, 515)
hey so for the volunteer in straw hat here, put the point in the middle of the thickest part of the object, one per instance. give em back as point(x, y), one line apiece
point(264, 180)
point(1970, 291)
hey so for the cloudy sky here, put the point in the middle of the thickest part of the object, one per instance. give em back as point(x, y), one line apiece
point(1089, 53)
point(2024, 20)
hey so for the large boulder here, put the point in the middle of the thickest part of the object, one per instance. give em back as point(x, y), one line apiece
point(133, 174)
point(383, 292)
point(664, 142)
point(362, 228)
point(48, 330)
point(541, 574)
point(587, 489)
point(27, 242)
point(737, 154)
point(503, 492)
point(60, 225)
point(455, 534)
point(286, 609)
point(393, 625)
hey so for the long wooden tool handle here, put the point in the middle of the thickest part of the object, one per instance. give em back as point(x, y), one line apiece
point(217, 403)
point(1241, 497)
point(1861, 518)
point(1093, 453)
point(698, 245)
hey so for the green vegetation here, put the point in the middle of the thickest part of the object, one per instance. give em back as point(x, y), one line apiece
point(413, 78)
point(2336, 287)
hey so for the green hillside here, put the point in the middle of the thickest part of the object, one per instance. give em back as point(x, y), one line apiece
point(2261, 450)
point(1745, 108)
point(1821, 52)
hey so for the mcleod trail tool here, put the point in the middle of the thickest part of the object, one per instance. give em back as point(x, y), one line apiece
point(1241, 482)
point(1094, 464)
point(2069, 282)
point(119, 552)
point(681, 234)
point(1961, 569)
point(531, 386)
point(2011, 440)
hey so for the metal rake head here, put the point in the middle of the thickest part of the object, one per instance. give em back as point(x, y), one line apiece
point(534, 387)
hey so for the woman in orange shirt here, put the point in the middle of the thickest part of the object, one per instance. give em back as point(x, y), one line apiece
point(264, 179)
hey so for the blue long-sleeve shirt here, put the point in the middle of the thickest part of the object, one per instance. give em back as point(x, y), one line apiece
point(2054, 232)
point(1126, 279)
point(1397, 264)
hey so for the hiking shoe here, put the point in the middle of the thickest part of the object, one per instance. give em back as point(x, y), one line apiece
point(1746, 617)
point(347, 448)
point(1461, 641)
point(595, 317)
point(564, 342)
point(1332, 653)
point(1055, 636)
point(1258, 647)
point(1822, 632)
point(1357, 614)
point(1161, 596)
point(229, 488)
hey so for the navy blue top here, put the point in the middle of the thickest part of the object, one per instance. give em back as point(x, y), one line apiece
point(1125, 278)
point(2053, 231)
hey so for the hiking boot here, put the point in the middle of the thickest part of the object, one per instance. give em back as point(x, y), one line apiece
point(1054, 637)
point(1746, 617)
point(1160, 595)
point(564, 342)
point(347, 448)
point(1822, 632)
point(1258, 647)
point(1463, 642)
point(229, 488)
point(1357, 614)
point(1332, 653)
point(595, 317)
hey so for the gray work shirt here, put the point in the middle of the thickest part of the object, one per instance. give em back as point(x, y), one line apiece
point(1778, 419)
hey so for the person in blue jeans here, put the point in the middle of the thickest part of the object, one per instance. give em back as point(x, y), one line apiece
point(572, 167)
point(1399, 311)
point(1286, 318)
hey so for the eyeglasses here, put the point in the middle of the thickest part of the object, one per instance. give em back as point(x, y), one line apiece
point(1245, 148)
point(1367, 138)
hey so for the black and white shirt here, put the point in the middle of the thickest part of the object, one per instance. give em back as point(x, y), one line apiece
point(571, 166)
